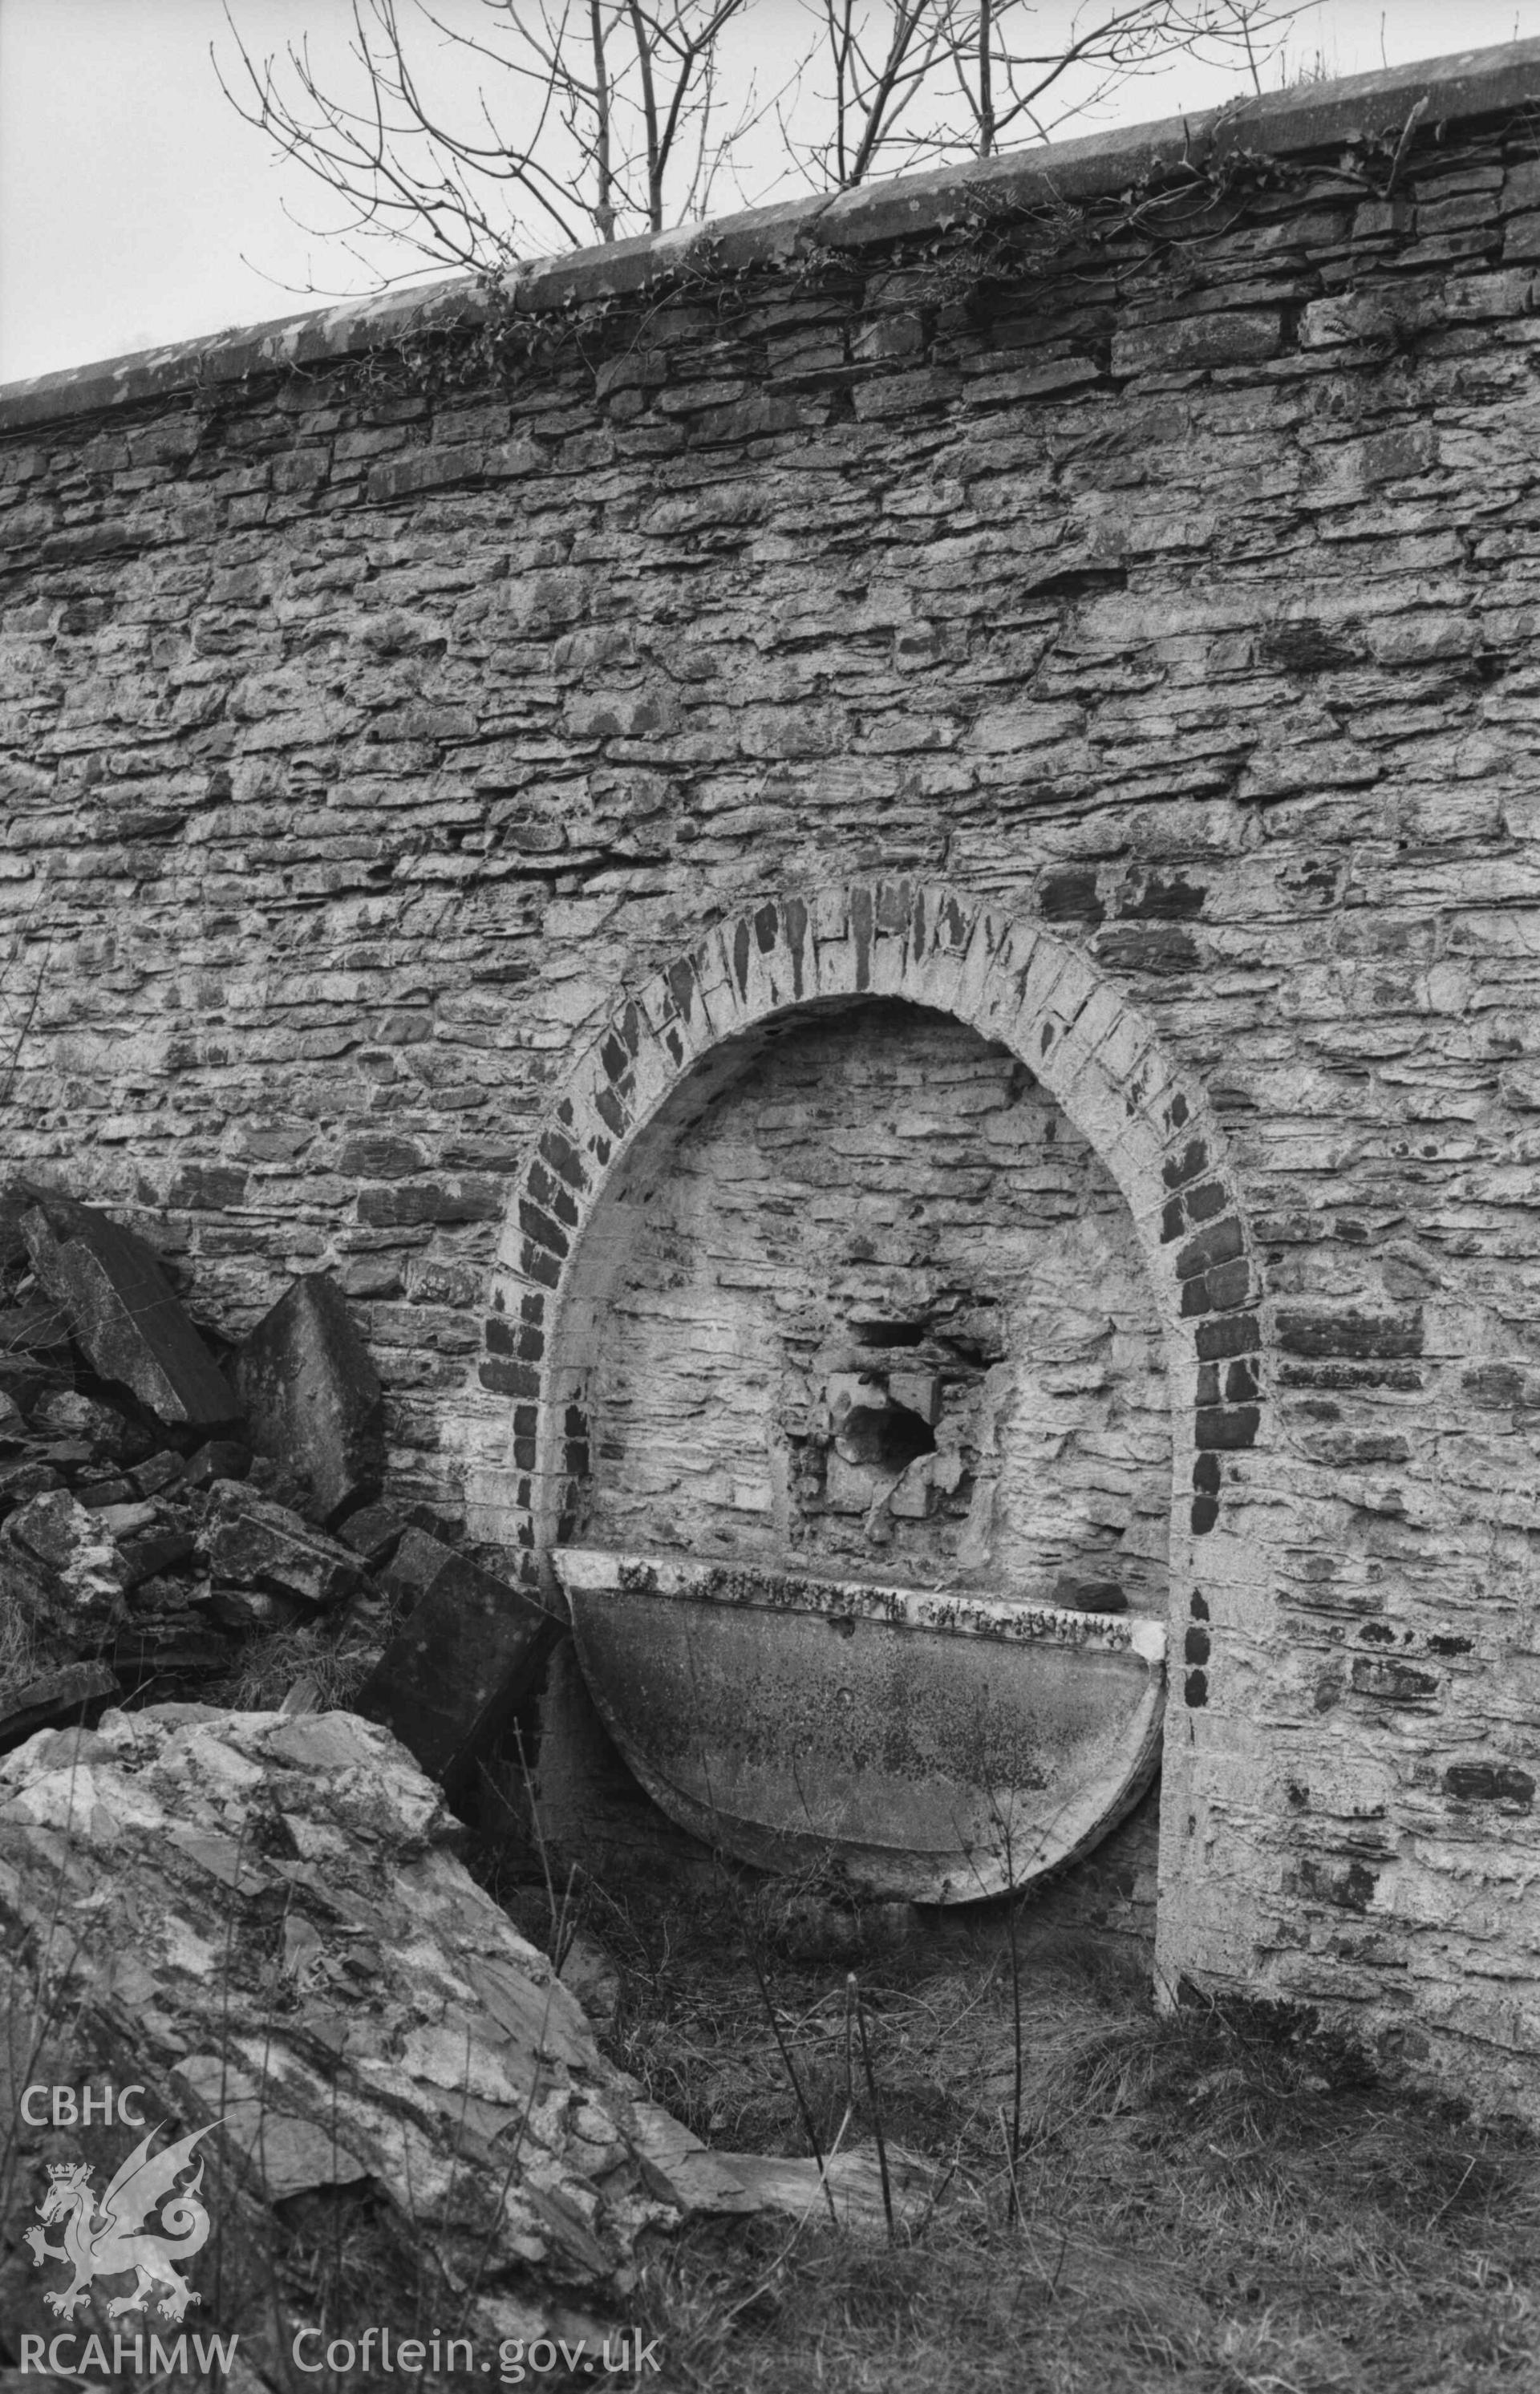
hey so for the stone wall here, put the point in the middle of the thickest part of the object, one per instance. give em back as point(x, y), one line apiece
point(1102, 611)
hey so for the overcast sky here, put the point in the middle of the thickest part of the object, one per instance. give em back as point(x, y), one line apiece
point(136, 208)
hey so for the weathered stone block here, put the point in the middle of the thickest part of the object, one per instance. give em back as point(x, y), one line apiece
point(122, 1312)
point(1231, 338)
point(1392, 1681)
point(59, 1566)
point(1490, 1783)
point(159, 1471)
point(128, 1520)
point(312, 1397)
point(405, 1204)
point(1078, 1595)
point(1351, 1332)
point(254, 1544)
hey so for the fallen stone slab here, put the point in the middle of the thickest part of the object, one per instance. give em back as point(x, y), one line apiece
point(161, 1471)
point(471, 1648)
point(99, 1495)
point(312, 1397)
point(846, 2186)
point(251, 1543)
point(79, 1692)
point(63, 1569)
point(122, 1312)
point(125, 1520)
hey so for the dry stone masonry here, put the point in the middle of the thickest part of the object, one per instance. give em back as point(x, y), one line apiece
point(872, 880)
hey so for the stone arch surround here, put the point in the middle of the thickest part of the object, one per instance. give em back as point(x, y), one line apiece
point(1013, 982)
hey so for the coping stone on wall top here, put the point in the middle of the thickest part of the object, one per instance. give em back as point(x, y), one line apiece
point(1465, 85)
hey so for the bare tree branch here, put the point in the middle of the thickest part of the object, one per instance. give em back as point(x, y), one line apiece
point(477, 143)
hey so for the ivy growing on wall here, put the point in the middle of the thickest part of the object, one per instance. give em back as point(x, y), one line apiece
point(1156, 228)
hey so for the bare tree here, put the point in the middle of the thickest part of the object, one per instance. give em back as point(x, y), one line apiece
point(914, 83)
point(575, 118)
point(477, 138)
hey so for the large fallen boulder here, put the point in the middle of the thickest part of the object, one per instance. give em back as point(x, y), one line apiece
point(257, 1921)
point(312, 1397)
point(122, 1312)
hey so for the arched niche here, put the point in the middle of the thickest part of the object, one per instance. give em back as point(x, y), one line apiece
point(861, 1300)
point(687, 1036)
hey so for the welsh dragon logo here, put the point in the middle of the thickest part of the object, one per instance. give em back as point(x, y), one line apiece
point(107, 2239)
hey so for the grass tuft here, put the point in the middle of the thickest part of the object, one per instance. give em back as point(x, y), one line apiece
point(22, 1656)
point(268, 1666)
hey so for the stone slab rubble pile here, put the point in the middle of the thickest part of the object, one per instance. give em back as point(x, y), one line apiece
point(157, 1512)
point(260, 1918)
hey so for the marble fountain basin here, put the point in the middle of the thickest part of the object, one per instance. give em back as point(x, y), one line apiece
point(938, 1745)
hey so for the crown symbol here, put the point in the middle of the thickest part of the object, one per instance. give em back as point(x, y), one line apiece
point(62, 2169)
